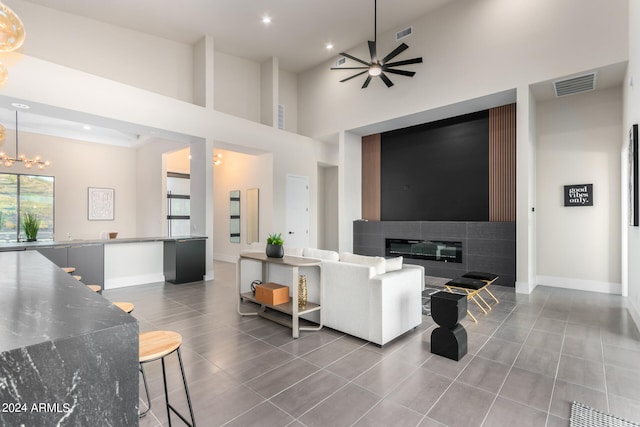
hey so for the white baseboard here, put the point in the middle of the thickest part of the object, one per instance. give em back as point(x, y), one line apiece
point(580, 284)
point(525, 288)
point(208, 275)
point(634, 312)
point(121, 282)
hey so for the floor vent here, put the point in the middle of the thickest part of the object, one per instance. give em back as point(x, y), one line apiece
point(584, 83)
point(403, 34)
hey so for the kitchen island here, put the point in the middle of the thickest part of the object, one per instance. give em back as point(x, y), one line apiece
point(67, 355)
point(122, 262)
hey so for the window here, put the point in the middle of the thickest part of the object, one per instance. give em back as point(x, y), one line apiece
point(22, 194)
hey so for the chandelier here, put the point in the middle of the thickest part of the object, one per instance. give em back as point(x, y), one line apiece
point(12, 36)
point(8, 161)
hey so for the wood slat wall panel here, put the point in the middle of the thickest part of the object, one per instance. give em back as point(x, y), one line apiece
point(502, 163)
point(371, 177)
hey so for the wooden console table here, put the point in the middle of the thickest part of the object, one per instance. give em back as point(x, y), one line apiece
point(291, 308)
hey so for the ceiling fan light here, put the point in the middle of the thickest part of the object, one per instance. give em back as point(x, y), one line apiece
point(375, 70)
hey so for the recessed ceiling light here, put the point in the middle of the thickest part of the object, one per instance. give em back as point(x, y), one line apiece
point(329, 46)
point(266, 19)
point(86, 127)
point(19, 105)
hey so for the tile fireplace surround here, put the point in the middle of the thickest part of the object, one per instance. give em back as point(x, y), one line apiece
point(486, 246)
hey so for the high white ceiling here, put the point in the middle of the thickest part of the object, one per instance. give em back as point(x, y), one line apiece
point(297, 35)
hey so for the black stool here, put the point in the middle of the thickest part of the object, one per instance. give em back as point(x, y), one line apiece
point(450, 338)
point(157, 345)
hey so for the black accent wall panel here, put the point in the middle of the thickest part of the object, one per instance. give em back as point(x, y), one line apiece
point(437, 171)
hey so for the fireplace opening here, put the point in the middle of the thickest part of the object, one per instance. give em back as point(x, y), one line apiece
point(434, 250)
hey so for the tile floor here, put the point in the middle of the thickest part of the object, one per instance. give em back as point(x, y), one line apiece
point(528, 359)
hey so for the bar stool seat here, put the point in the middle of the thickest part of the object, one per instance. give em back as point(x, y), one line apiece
point(78, 278)
point(68, 269)
point(127, 307)
point(156, 345)
point(95, 288)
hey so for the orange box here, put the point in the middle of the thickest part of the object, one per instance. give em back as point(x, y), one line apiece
point(272, 293)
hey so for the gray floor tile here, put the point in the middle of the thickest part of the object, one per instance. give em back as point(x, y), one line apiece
point(622, 357)
point(331, 352)
point(303, 396)
point(278, 379)
point(447, 367)
point(450, 411)
point(623, 382)
point(252, 368)
point(485, 374)
point(547, 340)
point(540, 360)
point(528, 388)
point(585, 349)
point(387, 413)
point(343, 408)
point(500, 351)
point(512, 333)
point(582, 372)
point(420, 391)
point(565, 393)
point(264, 414)
point(354, 364)
point(625, 408)
point(506, 412)
point(383, 377)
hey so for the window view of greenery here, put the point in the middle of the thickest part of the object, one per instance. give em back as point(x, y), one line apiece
point(21, 195)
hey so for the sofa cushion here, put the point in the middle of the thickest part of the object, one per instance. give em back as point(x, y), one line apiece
point(320, 254)
point(393, 264)
point(377, 262)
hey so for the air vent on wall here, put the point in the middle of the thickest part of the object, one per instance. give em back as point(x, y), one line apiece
point(341, 61)
point(584, 83)
point(403, 34)
point(280, 116)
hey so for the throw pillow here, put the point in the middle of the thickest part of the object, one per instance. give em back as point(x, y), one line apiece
point(394, 264)
point(321, 254)
point(377, 262)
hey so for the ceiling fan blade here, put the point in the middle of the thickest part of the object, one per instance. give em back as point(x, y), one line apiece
point(386, 80)
point(397, 51)
point(372, 51)
point(366, 82)
point(401, 72)
point(405, 62)
point(355, 75)
point(346, 55)
point(349, 68)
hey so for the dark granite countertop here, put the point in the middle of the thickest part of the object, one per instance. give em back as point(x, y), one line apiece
point(19, 246)
point(41, 303)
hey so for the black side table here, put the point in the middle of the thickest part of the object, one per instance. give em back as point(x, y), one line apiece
point(450, 338)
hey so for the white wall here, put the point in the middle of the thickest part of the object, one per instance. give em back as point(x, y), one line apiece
point(239, 171)
point(77, 165)
point(579, 143)
point(632, 115)
point(288, 96)
point(237, 86)
point(470, 48)
point(328, 210)
point(148, 62)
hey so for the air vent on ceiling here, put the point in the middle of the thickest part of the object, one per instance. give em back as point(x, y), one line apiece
point(341, 61)
point(403, 34)
point(584, 83)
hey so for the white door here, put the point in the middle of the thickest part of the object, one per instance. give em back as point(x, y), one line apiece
point(297, 233)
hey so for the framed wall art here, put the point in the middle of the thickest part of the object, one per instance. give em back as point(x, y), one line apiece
point(101, 204)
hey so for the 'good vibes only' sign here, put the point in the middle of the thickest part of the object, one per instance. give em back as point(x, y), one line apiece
point(578, 195)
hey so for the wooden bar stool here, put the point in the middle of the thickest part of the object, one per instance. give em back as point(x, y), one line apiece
point(69, 269)
point(95, 288)
point(158, 345)
point(78, 278)
point(127, 307)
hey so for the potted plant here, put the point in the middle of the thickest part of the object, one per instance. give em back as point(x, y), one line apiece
point(30, 225)
point(274, 246)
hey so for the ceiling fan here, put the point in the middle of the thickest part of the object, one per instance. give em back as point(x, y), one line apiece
point(378, 68)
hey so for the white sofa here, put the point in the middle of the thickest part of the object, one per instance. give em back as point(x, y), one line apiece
point(363, 299)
